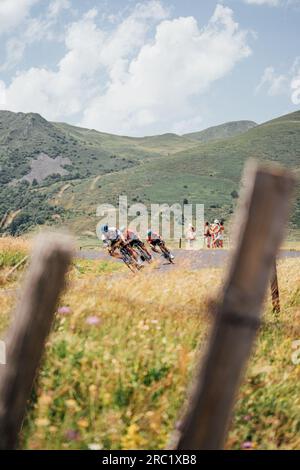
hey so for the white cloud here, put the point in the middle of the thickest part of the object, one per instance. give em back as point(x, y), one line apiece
point(14, 50)
point(276, 83)
point(295, 82)
point(188, 125)
point(59, 94)
point(13, 12)
point(272, 3)
point(126, 80)
point(287, 83)
point(160, 83)
point(34, 29)
point(130, 35)
point(57, 6)
point(295, 87)
point(2, 95)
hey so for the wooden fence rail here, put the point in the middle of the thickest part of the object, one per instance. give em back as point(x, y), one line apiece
point(29, 330)
point(263, 215)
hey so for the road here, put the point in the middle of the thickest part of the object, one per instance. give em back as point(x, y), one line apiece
point(194, 260)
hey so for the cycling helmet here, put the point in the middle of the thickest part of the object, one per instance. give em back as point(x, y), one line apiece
point(216, 222)
point(104, 228)
point(122, 229)
point(149, 233)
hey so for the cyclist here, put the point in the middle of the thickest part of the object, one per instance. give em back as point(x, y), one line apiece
point(133, 239)
point(112, 239)
point(155, 240)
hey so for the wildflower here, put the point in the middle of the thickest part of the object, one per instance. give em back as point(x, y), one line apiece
point(93, 320)
point(93, 389)
point(42, 422)
point(72, 435)
point(247, 418)
point(64, 311)
point(71, 404)
point(83, 423)
point(45, 400)
point(94, 446)
point(106, 398)
point(133, 438)
point(247, 445)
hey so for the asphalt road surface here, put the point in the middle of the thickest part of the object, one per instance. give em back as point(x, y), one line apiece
point(193, 259)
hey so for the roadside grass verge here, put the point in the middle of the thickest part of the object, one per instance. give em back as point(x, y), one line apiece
point(122, 353)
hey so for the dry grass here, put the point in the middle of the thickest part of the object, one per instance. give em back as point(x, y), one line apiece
point(15, 244)
point(122, 352)
point(12, 251)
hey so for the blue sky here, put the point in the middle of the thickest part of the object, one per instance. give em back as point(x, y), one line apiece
point(148, 67)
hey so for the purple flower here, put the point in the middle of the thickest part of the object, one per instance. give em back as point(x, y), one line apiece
point(72, 435)
point(64, 310)
point(247, 418)
point(93, 320)
point(247, 445)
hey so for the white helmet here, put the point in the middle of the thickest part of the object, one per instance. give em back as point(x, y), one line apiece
point(216, 222)
point(122, 229)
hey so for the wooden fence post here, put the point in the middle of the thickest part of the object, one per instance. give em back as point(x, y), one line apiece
point(29, 330)
point(275, 289)
point(263, 214)
point(16, 267)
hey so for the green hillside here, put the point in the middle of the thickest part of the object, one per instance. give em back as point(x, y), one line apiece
point(130, 147)
point(209, 174)
point(223, 131)
point(57, 173)
point(28, 138)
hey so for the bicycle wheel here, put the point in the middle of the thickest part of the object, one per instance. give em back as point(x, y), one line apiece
point(167, 254)
point(143, 254)
point(129, 260)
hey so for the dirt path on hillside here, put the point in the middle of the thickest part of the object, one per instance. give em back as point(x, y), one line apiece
point(61, 192)
point(94, 182)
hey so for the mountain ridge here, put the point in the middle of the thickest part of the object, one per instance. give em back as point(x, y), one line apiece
point(221, 131)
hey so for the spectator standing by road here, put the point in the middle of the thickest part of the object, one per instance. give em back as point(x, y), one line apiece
point(207, 235)
point(191, 237)
point(221, 237)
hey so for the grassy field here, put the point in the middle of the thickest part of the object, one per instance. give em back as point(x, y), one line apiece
point(122, 353)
